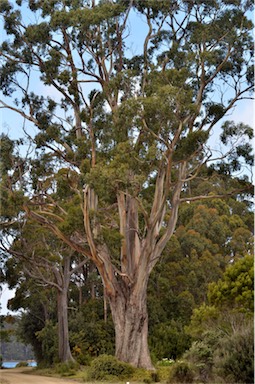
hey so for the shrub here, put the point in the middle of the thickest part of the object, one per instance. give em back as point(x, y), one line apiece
point(201, 354)
point(182, 372)
point(163, 373)
point(80, 357)
point(66, 369)
point(155, 377)
point(47, 336)
point(22, 364)
point(234, 359)
point(105, 367)
point(141, 375)
point(165, 362)
point(145, 376)
point(168, 340)
point(93, 336)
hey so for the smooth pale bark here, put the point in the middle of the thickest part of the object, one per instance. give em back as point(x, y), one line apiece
point(63, 280)
point(64, 352)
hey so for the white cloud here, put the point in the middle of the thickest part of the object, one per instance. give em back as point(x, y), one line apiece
point(5, 295)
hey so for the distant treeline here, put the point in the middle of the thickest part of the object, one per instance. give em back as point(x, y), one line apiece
point(13, 349)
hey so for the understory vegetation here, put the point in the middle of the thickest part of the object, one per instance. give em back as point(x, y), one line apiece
point(219, 349)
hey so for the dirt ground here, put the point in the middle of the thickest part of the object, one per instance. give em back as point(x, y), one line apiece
point(16, 376)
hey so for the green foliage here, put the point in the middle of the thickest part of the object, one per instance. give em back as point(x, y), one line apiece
point(165, 362)
point(144, 376)
point(201, 354)
point(232, 297)
point(108, 367)
point(224, 357)
point(93, 338)
point(66, 369)
point(234, 357)
point(12, 167)
point(7, 148)
point(168, 340)
point(224, 330)
point(5, 330)
point(182, 372)
point(236, 288)
point(48, 338)
point(190, 144)
point(195, 256)
point(82, 358)
point(38, 34)
point(22, 364)
point(90, 335)
point(74, 219)
point(10, 344)
point(202, 317)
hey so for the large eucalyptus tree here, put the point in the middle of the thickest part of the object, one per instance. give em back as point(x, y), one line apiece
point(121, 133)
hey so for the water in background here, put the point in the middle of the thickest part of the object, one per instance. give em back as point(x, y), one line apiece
point(12, 364)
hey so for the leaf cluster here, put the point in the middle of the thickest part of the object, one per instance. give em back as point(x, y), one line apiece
point(236, 289)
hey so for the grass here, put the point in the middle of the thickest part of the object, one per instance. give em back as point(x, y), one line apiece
point(140, 376)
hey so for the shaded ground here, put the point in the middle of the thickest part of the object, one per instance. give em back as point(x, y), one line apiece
point(19, 376)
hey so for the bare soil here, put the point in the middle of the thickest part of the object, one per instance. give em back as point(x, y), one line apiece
point(21, 376)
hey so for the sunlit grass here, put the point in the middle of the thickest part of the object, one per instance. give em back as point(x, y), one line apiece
point(140, 376)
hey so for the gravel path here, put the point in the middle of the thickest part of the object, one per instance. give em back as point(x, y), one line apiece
point(16, 376)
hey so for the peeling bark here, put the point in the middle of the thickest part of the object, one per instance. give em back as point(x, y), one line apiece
point(126, 288)
point(130, 317)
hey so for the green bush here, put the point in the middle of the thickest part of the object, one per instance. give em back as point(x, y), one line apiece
point(141, 375)
point(165, 362)
point(90, 333)
point(163, 373)
point(201, 354)
point(81, 357)
point(47, 336)
point(234, 359)
point(145, 376)
point(66, 369)
point(106, 367)
point(182, 372)
point(168, 340)
point(22, 364)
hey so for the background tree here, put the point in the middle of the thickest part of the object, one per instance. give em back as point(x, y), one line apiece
point(37, 324)
point(126, 151)
point(196, 255)
point(11, 348)
point(90, 334)
point(38, 310)
point(49, 264)
point(224, 329)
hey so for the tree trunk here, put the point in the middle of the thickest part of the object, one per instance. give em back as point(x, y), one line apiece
point(126, 288)
point(64, 351)
point(130, 317)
